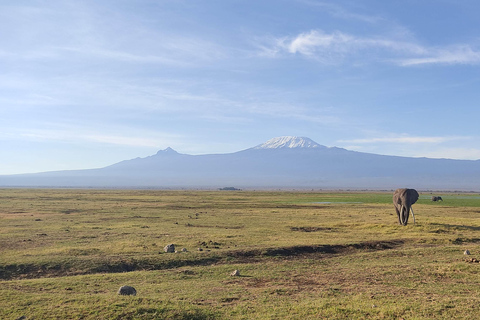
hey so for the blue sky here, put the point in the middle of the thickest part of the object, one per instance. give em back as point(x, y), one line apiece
point(85, 84)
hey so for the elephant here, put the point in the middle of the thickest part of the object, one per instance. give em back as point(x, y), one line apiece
point(403, 199)
point(437, 198)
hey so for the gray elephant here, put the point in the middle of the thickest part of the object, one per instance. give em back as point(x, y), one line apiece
point(437, 198)
point(403, 199)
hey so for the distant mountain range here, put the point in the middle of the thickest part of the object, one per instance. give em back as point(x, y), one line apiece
point(284, 162)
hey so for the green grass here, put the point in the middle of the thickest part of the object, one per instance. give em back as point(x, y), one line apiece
point(64, 254)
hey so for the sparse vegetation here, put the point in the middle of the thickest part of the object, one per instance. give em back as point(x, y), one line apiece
point(65, 253)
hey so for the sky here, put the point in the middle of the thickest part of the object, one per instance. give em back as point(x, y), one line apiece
point(88, 83)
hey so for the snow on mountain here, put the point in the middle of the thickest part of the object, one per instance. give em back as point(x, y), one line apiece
point(288, 142)
point(167, 151)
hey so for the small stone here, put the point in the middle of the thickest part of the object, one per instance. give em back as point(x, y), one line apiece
point(467, 252)
point(235, 273)
point(127, 291)
point(184, 249)
point(169, 248)
point(199, 249)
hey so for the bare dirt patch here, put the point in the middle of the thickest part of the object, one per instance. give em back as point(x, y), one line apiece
point(228, 257)
point(310, 229)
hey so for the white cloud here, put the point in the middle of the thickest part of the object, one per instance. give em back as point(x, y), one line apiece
point(448, 147)
point(334, 47)
point(461, 54)
point(309, 43)
point(454, 153)
point(405, 140)
point(316, 44)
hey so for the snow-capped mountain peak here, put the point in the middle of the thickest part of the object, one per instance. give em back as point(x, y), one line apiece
point(167, 151)
point(288, 142)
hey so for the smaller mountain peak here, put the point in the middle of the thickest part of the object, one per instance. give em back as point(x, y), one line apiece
point(167, 151)
point(288, 142)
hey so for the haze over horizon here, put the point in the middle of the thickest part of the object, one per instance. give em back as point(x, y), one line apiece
point(86, 84)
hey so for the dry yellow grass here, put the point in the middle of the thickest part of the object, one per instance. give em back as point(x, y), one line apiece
point(65, 253)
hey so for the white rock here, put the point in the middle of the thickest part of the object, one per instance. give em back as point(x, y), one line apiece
point(169, 248)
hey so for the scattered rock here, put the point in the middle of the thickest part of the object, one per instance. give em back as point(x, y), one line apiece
point(235, 273)
point(127, 291)
point(472, 260)
point(199, 249)
point(169, 248)
point(467, 252)
point(184, 250)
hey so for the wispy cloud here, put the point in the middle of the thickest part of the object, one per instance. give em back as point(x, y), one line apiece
point(79, 32)
point(454, 153)
point(459, 54)
point(71, 134)
point(405, 139)
point(341, 12)
point(448, 147)
point(335, 47)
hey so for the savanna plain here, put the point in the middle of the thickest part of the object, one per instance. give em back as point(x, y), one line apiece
point(64, 254)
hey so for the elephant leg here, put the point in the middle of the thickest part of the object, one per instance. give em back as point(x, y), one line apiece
point(398, 215)
point(402, 216)
point(413, 215)
point(406, 214)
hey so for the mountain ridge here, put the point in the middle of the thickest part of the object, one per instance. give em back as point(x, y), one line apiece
point(283, 162)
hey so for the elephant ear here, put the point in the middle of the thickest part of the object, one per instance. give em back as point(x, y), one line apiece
point(413, 195)
point(397, 195)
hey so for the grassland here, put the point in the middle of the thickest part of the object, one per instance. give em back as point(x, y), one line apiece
point(301, 255)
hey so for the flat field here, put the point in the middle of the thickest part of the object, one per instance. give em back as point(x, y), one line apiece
point(301, 255)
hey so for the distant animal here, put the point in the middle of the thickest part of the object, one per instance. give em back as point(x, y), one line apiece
point(437, 198)
point(403, 199)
